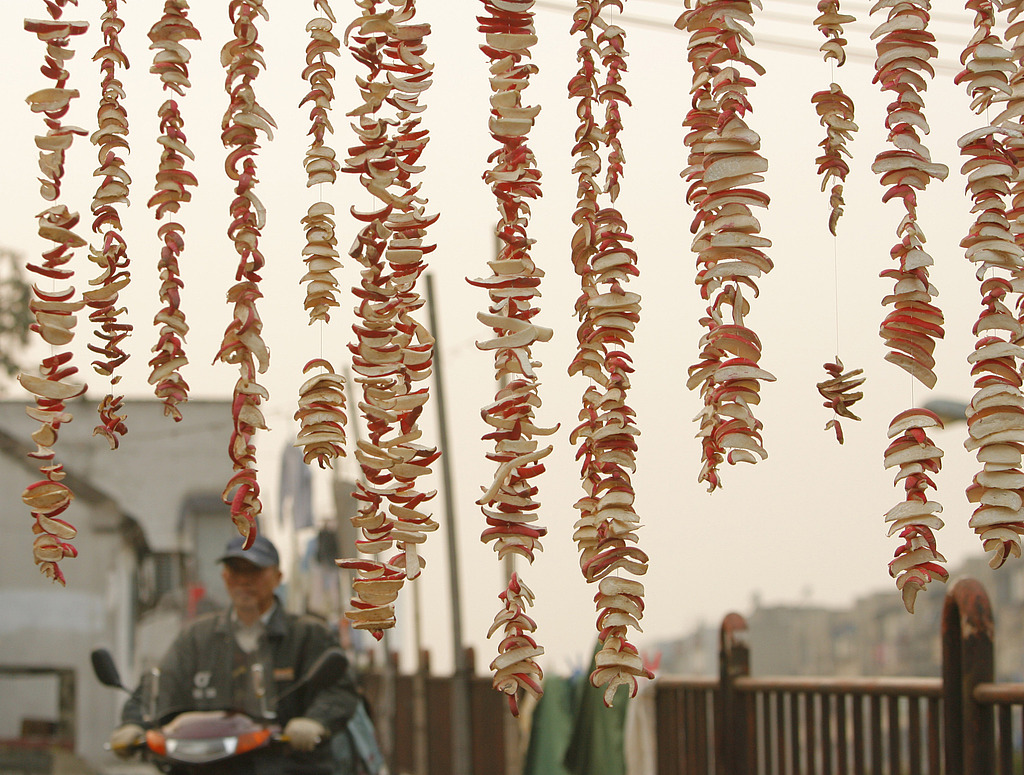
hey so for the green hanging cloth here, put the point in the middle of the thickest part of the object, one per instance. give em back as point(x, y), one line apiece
point(551, 727)
point(597, 743)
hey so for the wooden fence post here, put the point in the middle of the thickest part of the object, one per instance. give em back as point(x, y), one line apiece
point(667, 721)
point(420, 721)
point(967, 660)
point(733, 732)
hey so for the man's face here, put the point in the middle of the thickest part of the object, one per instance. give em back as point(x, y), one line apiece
point(249, 586)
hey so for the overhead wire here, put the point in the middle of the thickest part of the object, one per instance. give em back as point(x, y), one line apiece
point(803, 44)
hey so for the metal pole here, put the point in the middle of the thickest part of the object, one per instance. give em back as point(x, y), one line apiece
point(461, 736)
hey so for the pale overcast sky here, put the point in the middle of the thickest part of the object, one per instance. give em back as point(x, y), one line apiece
point(806, 525)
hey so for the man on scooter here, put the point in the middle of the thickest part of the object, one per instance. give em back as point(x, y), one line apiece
point(244, 658)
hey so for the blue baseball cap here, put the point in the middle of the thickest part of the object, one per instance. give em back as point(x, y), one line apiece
point(262, 553)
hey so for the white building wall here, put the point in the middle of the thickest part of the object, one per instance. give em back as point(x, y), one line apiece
point(159, 468)
point(43, 625)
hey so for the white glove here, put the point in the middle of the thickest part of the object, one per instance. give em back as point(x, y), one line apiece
point(125, 738)
point(304, 734)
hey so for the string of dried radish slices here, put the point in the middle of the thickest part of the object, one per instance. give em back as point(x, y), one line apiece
point(724, 165)
point(112, 256)
point(243, 343)
point(995, 416)
point(321, 405)
point(904, 47)
point(54, 310)
point(509, 503)
point(393, 350)
point(169, 36)
point(835, 112)
point(606, 531)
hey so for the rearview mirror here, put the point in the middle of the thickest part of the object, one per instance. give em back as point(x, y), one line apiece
point(105, 669)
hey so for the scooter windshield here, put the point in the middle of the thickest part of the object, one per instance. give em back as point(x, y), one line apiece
point(206, 736)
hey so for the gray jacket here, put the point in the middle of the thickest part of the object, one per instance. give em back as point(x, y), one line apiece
point(205, 670)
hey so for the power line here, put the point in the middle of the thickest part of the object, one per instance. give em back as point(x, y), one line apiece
point(796, 44)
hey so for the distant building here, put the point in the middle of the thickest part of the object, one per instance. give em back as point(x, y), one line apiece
point(695, 654)
point(150, 521)
point(874, 637)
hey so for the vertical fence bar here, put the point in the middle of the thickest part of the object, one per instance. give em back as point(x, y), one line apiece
point(779, 727)
point(794, 732)
point(811, 733)
point(690, 725)
point(439, 724)
point(842, 736)
point(749, 709)
point(935, 737)
point(827, 736)
point(666, 724)
point(914, 736)
point(763, 760)
point(700, 709)
point(875, 724)
point(669, 725)
point(403, 732)
point(711, 705)
point(1005, 724)
point(858, 734)
point(893, 717)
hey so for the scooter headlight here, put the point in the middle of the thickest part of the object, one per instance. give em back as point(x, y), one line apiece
point(201, 750)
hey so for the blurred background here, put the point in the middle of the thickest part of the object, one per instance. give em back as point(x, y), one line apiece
point(803, 529)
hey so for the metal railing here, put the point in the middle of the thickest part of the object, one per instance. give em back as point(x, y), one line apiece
point(960, 724)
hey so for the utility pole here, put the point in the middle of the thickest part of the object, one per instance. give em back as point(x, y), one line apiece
point(461, 735)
